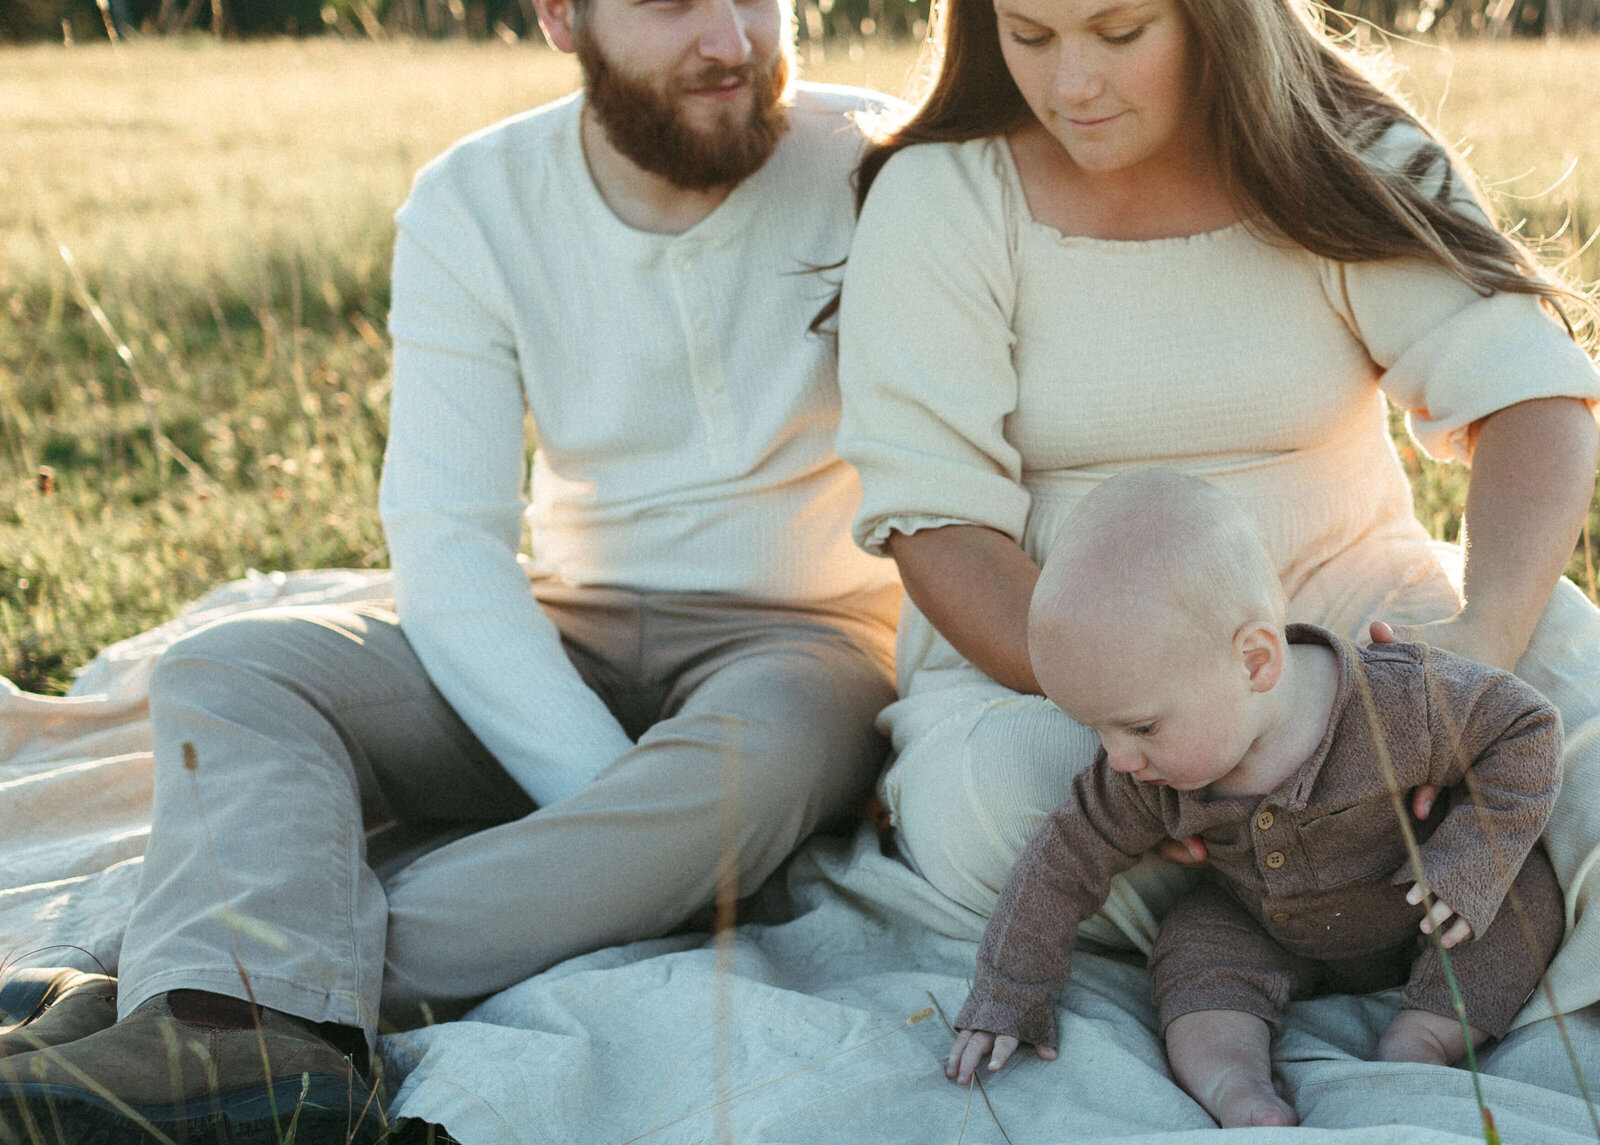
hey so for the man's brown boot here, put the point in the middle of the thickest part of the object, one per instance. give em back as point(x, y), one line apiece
point(186, 1073)
point(52, 1005)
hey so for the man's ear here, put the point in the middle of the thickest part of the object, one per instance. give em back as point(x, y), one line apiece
point(558, 18)
point(1260, 649)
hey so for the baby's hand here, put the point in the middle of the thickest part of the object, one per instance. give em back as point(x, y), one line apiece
point(1441, 913)
point(970, 1047)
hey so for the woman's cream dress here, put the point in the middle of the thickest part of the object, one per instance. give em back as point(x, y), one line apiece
point(994, 370)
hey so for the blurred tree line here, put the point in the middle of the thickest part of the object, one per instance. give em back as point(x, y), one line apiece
point(511, 20)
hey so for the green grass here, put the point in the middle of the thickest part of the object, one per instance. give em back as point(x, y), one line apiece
point(229, 209)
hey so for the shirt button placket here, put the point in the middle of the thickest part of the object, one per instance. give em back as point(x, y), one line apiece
point(705, 362)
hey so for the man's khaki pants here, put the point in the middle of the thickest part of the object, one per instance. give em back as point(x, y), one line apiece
point(282, 735)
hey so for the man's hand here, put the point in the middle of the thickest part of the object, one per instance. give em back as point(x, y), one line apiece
point(971, 1045)
point(1440, 913)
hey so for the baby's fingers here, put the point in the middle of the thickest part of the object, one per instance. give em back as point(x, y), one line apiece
point(1459, 931)
point(952, 1064)
point(965, 1055)
point(1436, 916)
point(1004, 1047)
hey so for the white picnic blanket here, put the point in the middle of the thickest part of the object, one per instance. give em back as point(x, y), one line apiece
point(810, 1026)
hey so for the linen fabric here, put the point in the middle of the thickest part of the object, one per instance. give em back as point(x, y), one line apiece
point(754, 727)
point(994, 371)
point(684, 417)
point(812, 1002)
point(1318, 866)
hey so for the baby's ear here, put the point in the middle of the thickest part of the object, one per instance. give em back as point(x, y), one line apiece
point(1260, 650)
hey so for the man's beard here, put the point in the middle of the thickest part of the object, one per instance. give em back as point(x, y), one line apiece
point(647, 127)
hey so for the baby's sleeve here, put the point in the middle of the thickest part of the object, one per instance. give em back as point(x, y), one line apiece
point(1062, 876)
point(1499, 743)
point(925, 342)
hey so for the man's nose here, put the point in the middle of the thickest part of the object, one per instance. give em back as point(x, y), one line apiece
point(724, 38)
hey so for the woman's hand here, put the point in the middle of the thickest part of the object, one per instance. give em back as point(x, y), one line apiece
point(1190, 852)
point(1459, 634)
point(1533, 470)
point(971, 1045)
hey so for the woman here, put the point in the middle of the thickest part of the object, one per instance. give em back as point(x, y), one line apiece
point(1194, 233)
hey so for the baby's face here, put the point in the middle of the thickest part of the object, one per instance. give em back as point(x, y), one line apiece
point(1169, 708)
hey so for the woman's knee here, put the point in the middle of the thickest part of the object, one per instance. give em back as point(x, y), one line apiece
point(967, 795)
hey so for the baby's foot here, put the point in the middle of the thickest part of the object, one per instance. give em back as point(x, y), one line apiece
point(1418, 1036)
point(1251, 1104)
point(1221, 1059)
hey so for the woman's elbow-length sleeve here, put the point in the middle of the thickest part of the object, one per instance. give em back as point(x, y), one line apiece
point(1452, 356)
point(925, 343)
point(451, 502)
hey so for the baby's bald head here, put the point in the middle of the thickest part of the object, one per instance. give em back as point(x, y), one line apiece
point(1152, 553)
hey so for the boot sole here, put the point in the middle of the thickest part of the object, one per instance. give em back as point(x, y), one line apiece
point(39, 1113)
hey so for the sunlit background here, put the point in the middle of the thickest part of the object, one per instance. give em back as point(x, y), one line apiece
point(195, 233)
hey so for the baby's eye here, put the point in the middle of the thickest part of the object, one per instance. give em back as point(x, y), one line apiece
point(1143, 729)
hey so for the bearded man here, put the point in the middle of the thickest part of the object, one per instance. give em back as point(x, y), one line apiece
point(675, 691)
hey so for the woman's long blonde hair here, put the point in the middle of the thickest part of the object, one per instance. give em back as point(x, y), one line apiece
point(1294, 114)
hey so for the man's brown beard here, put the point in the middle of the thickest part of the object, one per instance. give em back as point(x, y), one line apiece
point(646, 126)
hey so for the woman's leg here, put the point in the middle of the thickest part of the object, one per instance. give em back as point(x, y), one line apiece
point(1563, 662)
point(978, 769)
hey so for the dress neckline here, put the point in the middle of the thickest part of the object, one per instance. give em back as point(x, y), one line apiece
point(1013, 177)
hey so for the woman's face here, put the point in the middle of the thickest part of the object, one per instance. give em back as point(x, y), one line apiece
point(1111, 80)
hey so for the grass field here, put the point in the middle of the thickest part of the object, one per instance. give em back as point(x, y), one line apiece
point(194, 245)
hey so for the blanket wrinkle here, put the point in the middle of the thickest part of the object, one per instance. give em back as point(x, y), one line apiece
point(624, 1044)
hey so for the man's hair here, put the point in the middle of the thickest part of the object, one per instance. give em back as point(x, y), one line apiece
point(1163, 538)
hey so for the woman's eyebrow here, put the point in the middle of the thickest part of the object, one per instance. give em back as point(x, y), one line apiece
point(1122, 8)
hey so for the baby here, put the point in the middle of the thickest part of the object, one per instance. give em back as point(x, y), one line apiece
point(1158, 621)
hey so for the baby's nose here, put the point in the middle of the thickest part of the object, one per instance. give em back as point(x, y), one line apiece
point(1124, 759)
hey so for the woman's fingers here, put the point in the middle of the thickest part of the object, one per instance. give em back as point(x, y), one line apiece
point(1190, 852)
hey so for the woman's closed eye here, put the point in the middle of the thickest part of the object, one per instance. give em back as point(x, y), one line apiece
point(1028, 38)
point(1123, 35)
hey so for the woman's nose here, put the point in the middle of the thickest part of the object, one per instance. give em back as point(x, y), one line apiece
point(1078, 78)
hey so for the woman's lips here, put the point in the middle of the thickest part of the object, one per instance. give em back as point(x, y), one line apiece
point(1092, 123)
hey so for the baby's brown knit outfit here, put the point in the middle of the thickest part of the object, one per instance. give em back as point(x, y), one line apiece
point(1307, 889)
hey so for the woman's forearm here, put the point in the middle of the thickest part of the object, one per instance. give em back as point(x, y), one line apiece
point(973, 584)
point(1533, 473)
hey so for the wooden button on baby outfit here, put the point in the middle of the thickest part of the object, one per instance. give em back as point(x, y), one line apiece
point(1280, 917)
point(1264, 821)
point(1274, 859)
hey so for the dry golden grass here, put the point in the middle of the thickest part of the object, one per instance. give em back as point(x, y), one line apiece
point(230, 207)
